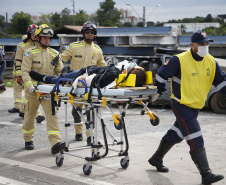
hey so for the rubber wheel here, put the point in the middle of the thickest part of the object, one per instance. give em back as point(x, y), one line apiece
point(60, 162)
point(156, 122)
point(88, 172)
point(218, 103)
point(125, 165)
point(120, 125)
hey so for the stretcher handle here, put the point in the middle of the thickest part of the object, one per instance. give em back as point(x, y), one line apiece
point(60, 80)
point(86, 90)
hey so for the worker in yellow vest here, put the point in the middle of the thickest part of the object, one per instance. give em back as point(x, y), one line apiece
point(192, 74)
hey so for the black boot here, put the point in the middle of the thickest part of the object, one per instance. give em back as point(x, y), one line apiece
point(200, 160)
point(29, 145)
point(36, 76)
point(58, 147)
point(14, 110)
point(77, 119)
point(156, 159)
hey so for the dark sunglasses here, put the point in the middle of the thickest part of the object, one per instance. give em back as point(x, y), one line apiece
point(88, 32)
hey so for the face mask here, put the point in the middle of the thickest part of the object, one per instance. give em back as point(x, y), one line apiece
point(203, 50)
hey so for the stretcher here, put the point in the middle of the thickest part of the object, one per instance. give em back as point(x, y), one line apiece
point(123, 97)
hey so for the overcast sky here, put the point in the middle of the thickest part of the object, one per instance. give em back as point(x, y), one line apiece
point(169, 9)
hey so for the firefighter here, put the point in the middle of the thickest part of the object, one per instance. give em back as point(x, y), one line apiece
point(82, 54)
point(27, 42)
point(40, 58)
point(192, 74)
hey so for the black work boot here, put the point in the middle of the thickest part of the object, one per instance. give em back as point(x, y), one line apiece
point(200, 160)
point(29, 145)
point(14, 110)
point(21, 114)
point(77, 119)
point(36, 76)
point(78, 137)
point(40, 118)
point(156, 159)
point(58, 147)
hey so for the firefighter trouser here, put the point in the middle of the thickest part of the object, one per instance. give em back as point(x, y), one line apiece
point(79, 128)
point(23, 106)
point(17, 95)
point(18, 102)
point(51, 120)
point(185, 127)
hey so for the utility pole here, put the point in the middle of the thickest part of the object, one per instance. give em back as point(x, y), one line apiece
point(144, 16)
point(73, 12)
point(6, 25)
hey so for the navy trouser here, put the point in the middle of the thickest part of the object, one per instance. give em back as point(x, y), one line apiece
point(185, 127)
point(53, 79)
point(2, 67)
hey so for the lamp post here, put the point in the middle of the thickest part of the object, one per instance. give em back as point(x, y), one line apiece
point(144, 19)
point(137, 13)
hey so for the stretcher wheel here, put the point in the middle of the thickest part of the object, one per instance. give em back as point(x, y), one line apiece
point(124, 163)
point(120, 125)
point(88, 171)
point(59, 161)
point(156, 122)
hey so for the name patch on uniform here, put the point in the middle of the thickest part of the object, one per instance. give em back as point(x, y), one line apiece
point(36, 62)
point(78, 56)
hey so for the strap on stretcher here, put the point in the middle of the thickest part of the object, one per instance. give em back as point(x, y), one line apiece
point(56, 89)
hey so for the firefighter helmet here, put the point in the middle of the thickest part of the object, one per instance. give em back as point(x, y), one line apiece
point(44, 30)
point(32, 28)
point(89, 26)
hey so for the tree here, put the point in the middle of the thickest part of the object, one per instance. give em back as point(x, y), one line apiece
point(107, 14)
point(46, 19)
point(81, 17)
point(55, 20)
point(208, 18)
point(140, 24)
point(127, 24)
point(2, 22)
point(183, 28)
point(20, 22)
point(66, 17)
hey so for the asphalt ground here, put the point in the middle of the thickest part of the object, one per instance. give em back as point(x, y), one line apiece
point(38, 166)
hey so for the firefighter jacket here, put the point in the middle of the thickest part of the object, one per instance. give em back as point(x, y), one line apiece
point(40, 60)
point(20, 53)
point(82, 55)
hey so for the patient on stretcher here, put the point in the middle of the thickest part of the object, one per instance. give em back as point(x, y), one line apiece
point(104, 75)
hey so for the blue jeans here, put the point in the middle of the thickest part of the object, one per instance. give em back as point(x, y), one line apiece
point(53, 80)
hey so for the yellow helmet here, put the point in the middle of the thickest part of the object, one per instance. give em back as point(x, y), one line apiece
point(44, 30)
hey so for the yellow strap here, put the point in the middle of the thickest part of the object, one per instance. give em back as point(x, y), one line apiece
point(140, 101)
point(104, 102)
point(115, 118)
point(86, 96)
point(38, 94)
point(71, 99)
point(151, 115)
point(56, 95)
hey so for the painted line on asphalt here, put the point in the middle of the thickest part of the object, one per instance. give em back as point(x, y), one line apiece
point(65, 175)
point(4, 180)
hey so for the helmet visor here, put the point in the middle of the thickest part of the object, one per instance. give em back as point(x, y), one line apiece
point(90, 25)
point(45, 31)
point(32, 30)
